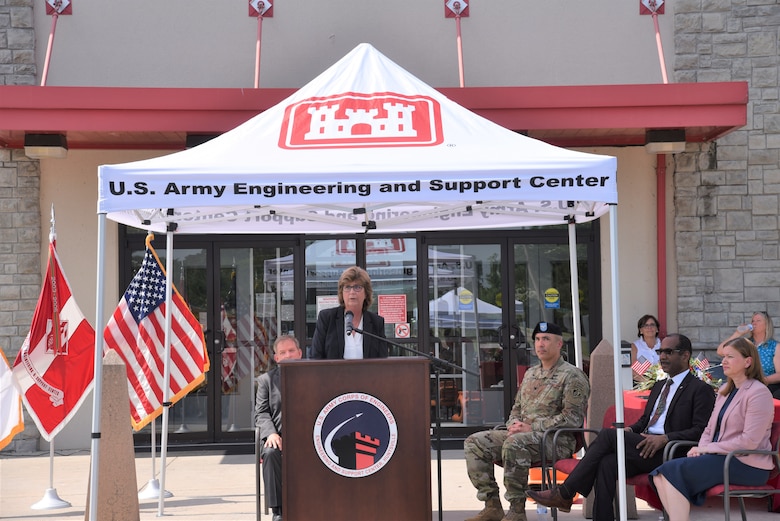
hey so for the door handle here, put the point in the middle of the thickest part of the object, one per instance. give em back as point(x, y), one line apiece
point(510, 341)
point(514, 336)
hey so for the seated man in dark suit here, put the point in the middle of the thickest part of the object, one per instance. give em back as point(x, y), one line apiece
point(678, 408)
point(268, 417)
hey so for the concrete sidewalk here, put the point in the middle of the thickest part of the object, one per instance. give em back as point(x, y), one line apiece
point(212, 486)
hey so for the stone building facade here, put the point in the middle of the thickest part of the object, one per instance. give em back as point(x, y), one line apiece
point(20, 214)
point(727, 193)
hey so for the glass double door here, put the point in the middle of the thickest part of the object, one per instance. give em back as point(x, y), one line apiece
point(474, 304)
point(243, 294)
point(256, 296)
point(485, 299)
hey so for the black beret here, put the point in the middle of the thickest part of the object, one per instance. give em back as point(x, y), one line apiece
point(547, 327)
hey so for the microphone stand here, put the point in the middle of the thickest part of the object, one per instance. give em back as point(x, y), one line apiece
point(437, 364)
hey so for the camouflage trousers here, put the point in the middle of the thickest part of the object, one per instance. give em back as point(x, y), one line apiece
point(517, 453)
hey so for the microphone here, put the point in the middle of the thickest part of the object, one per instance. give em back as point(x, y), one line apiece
point(348, 317)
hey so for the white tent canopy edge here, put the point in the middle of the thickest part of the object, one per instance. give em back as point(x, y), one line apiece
point(456, 170)
point(447, 168)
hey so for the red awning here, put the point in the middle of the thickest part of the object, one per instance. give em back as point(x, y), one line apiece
point(569, 116)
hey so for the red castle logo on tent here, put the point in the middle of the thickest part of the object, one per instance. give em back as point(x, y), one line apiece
point(353, 120)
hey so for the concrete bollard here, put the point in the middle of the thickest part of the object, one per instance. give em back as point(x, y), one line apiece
point(602, 396)
point(117, 484)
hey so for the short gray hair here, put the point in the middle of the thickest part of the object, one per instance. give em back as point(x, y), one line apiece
point(282, 338)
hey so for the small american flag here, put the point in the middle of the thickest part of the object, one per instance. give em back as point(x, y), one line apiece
point(641, 365)
point(701, 362)
point(137, 332)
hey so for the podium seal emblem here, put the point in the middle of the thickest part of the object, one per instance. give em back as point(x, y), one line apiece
point(355, 435)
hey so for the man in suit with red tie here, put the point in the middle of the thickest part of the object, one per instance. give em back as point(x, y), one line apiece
point(678, 408)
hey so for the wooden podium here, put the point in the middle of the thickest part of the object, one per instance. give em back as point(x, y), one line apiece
point(356, 440)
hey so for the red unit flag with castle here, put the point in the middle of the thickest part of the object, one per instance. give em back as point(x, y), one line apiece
point(55, 367)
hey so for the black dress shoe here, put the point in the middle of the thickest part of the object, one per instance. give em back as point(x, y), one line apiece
point(551, 498)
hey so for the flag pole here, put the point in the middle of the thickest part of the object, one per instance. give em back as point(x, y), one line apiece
point(55, 306)
point(50, 498)
point(257, 49)
point(49, 47)
point(167, 366)
point(152, 488)
point(662, 61)
point(459, 39)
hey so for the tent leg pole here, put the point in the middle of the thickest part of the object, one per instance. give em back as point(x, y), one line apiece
point(619, 415)
point(575, 293)
point(98, 387)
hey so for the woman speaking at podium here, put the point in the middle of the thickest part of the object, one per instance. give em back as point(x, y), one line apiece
point(334, 337)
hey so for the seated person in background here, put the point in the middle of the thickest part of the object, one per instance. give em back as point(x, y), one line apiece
point(331, 340)
point(268, 417)
point(742, 419)
point(553, 394)
point(762, 336)
point(677, 409)
point(647, 343)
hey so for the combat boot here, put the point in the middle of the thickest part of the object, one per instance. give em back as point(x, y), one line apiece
point(516, 511)
point(493, 511)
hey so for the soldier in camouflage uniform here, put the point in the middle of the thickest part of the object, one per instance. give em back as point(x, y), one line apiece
point(553, 394)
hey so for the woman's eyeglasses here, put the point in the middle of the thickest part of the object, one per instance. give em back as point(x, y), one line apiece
point(357, 288)
point(648, 326)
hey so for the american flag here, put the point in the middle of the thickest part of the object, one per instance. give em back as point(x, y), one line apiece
point(641, 365)
point(55, 368)
point(137, 332)
point(701, 362)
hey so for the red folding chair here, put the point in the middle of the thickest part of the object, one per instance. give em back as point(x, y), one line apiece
point(727, 491)
point(567, 465)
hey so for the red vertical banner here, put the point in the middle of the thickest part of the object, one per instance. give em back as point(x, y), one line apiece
point(263, 8)
point(59, 7)
point(651, 6)
point(455, 8)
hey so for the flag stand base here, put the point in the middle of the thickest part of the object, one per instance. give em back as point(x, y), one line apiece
point(152, 490)
point(50, 501)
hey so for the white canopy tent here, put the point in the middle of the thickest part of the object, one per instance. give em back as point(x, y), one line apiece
point(312, 163)
point(364, 146)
